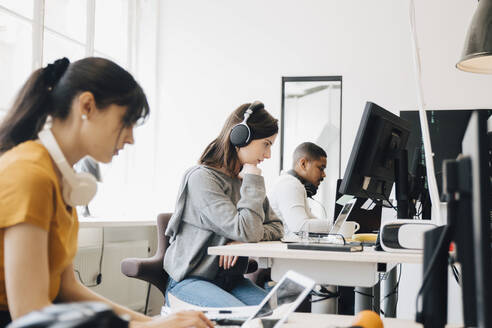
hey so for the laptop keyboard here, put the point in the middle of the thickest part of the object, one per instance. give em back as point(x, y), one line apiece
point(228, 323)
point(231, 323)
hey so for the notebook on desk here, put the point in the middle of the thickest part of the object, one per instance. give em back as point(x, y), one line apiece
point(326, 247)
point(326, 238)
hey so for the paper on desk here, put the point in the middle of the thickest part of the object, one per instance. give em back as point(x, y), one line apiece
point(368, 205)
point(293, 238)
point(344, 199)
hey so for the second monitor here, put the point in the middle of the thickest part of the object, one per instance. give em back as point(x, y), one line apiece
point(379, 158)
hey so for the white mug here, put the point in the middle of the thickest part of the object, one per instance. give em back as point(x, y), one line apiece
point(349, 228)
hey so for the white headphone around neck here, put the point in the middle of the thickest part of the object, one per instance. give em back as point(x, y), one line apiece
point(78, 187)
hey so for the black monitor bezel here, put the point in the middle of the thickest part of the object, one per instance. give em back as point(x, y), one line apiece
point(475, 148)
point(350, 183)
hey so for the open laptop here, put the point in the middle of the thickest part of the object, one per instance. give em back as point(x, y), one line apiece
point(282, 300)
point(343, 216)
point(326, 237)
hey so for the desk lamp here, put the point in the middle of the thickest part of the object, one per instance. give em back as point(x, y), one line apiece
point(477, 51)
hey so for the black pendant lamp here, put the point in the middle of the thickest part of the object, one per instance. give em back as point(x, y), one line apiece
point(477, 52)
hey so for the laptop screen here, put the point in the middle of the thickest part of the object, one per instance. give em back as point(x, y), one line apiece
point(342, 217)
point(280, 301)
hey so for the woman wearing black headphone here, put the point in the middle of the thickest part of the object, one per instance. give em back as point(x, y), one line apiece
point(220, 201)
point(94, 105)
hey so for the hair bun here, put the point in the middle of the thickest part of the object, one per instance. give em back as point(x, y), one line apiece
point(53, 72)
point(256, 105)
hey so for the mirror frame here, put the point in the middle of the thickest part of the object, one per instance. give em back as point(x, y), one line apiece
point(282, 112)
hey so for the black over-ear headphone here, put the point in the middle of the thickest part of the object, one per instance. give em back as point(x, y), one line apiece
point(240, 133)
point(311, 189)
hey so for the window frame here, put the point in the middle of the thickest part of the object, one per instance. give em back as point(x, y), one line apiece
point(38, 29)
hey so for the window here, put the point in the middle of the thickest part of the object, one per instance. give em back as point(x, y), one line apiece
point(23, 8)
point(65, 27)
point(15, 48)
point(111, 37)
point(34, 33)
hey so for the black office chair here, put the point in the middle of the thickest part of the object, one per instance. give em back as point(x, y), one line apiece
point(151, 269)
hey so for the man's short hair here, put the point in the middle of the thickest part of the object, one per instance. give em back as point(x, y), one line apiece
point(308, 150)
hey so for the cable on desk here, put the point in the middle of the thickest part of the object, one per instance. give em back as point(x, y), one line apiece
point(393, 292)
point(99, 275)
point(391, 205)
point(324, 293)
point(368, 295)
point(456, 273)
point(363, 294)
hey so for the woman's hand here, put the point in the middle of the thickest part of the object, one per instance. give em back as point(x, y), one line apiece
point(184, 319)
point(249, 169)
point(227, 261)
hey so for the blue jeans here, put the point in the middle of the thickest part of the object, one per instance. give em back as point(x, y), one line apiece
point(200, 292)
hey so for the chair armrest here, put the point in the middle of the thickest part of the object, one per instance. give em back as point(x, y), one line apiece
point(147, 269)
point(141, 267)
point(252, 266)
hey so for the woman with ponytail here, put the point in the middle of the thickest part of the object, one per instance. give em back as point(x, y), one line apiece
point(222, 200)
point(93, 105)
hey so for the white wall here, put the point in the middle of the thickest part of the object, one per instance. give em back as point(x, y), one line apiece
point(217, 54)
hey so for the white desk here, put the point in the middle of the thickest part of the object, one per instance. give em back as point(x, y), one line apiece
point(359, 269)
point(335, 268)
point(302, 320)
point(95, 222)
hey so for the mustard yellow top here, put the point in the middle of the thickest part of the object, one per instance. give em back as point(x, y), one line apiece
point(30, 193)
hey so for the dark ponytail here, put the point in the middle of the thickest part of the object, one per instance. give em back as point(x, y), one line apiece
point(51, 90)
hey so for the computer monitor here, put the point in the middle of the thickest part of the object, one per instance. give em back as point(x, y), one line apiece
point(467, 186)
point(475, 204)
point(446, 129)
point(379, 158)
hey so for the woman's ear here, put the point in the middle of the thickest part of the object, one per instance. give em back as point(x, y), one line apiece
point(86, 104)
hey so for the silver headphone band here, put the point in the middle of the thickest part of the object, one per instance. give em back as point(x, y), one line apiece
point(247, 114)
point(249, 111)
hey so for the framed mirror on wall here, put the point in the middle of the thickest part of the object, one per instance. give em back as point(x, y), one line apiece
point(312, 111)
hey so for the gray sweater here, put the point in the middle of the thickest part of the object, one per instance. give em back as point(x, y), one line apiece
point(213, 209)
